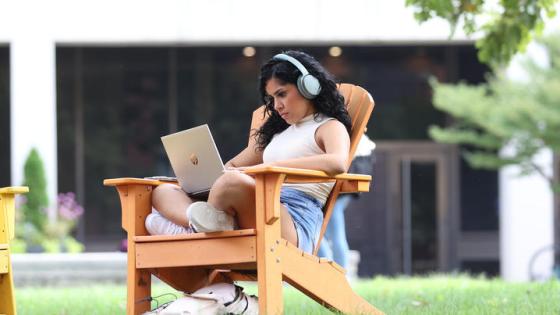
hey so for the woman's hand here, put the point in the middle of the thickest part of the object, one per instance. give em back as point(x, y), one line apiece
point(243, 168)
point(236, 169)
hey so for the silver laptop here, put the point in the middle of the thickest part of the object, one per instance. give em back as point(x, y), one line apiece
point(194, 159)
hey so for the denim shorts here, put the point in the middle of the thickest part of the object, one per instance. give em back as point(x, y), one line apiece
point(307, 215)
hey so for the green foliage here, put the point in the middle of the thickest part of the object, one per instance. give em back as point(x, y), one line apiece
point(523, 115)
point(17, 246)
point(37, 199)
point(51, 246)
point(68, 244)
point(71, 245)
point(506, 30)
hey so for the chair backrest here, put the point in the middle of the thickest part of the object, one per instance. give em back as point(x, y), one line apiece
point(359, 104)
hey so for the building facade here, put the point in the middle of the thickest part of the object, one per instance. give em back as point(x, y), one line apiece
point(94, 84)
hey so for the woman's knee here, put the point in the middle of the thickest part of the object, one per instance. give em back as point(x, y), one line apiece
point(233, 181)
point(234, 192)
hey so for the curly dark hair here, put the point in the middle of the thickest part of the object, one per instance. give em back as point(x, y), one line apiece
point(329, 101)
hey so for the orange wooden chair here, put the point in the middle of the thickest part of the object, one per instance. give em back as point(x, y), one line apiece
point(189, 262)
point(7, 221)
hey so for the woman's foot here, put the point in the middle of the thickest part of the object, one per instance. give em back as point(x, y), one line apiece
point(156, 224)
point(203, 217)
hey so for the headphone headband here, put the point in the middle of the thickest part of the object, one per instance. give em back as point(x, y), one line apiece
point(293, 61)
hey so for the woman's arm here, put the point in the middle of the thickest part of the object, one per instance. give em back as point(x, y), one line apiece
point(333, 138)
point(248, 157)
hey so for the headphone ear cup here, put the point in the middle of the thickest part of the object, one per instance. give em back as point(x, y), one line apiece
point(308, 86)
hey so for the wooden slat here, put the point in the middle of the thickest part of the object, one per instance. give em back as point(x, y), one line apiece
point(333, 264)
point(180, 237)
point(196, 252)
point(326, 283)
point(240, 276)
point(359, 104)
point(185, 279)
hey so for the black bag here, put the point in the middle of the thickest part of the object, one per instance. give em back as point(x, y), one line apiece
point(362, 165)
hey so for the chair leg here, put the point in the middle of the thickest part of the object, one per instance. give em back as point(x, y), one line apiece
point(139, 292)
point(270, 285)
point(7, 296)
point(139, 286)
point(269, 259)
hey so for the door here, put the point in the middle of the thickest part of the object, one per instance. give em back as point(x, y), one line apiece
point(422, 205)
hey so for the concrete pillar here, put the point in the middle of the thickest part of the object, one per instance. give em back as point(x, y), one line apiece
point(526, 220)
point(33, 106)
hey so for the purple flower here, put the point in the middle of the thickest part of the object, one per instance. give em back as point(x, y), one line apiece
point(68, 207)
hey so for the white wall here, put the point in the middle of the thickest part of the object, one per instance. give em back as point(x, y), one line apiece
point(218, 21)
point(526, 202)
point(526, 221)
point(33, 29)
point(33, 106)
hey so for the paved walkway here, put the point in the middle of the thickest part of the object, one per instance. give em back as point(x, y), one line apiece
point(87, 268)
point(65, 269)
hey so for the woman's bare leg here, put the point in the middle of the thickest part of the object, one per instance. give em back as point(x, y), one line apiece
point(172, 202)
point(234, 192)
point(287, 226)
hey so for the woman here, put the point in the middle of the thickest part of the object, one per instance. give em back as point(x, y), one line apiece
point(308, 127)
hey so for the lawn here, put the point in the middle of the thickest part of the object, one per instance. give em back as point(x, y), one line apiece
point(437, 294)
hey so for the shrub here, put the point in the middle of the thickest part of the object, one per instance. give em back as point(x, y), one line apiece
point(37, 199)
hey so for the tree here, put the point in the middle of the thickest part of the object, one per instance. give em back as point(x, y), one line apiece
point(508, 29)
point(523, 115)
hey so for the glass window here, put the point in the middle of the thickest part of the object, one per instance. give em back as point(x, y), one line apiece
point(113, 107)
point(114, 103)
point(479, 199)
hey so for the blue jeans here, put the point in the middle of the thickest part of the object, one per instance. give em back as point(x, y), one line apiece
point(334, 245)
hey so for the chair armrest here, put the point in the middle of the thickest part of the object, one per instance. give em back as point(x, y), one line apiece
point(135, 196)
point(133, 181)
point(14, 190)
point(350, 182)
point(271, 179)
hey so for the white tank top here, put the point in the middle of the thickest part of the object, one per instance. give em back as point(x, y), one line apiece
point(298, 140)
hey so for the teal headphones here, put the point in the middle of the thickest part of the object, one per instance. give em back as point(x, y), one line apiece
point(308, 85)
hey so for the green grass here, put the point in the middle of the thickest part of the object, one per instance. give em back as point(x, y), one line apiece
point(420, 295)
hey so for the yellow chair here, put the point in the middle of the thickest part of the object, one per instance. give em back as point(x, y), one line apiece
point(189, 262)
point(7, 220)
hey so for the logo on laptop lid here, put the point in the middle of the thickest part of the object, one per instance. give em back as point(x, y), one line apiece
point(194, 159)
